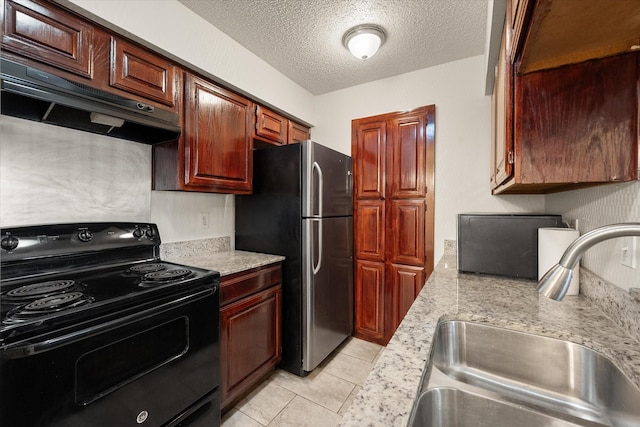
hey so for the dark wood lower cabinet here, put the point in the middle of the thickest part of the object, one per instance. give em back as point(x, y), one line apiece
point(250, 330)
point(406, 282)
point(369, 288)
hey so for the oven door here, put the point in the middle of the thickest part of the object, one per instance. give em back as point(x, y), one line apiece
point(158, 366)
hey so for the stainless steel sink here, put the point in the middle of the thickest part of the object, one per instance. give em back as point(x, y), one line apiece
point(448, 407)
point(529, 379)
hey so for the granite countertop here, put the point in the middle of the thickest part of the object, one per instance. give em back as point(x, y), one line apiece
point(387, 396)
point(214, 254)
point(227, 262)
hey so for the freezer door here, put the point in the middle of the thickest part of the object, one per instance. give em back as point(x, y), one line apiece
point(327, 182)
point(327, 289)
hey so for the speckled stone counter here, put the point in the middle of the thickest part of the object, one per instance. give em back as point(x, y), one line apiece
point(214, 254)
point(387, 397)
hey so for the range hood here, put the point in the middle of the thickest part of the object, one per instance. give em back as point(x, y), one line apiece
point(33, 94)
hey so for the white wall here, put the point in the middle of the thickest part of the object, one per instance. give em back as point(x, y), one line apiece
point(463, 133)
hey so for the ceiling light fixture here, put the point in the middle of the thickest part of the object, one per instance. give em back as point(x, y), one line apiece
point(363, 41)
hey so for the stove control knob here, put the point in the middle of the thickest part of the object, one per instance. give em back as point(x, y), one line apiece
point(138, 233)
point(150, 233)
point(85, 236)
point(9, 243)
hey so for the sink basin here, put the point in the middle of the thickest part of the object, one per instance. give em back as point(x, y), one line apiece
point(503, 370)
point(447, 407)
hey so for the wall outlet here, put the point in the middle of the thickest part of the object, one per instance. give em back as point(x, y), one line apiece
point(630, 251)
point(204, 220)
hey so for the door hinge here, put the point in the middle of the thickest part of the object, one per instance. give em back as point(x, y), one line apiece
point(510, 157)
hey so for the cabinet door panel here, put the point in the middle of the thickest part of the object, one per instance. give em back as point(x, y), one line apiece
point(579, 123)
point(137, 71)
point(49, 35)
point(501, 124)
point(250, 340)
point(298, 133)
point(270, 126)
point(370, 229)
point(370, 165)
point(405, 235)
point(369, 299)
point(406, 282)
point(218, 136)
point(406, 174)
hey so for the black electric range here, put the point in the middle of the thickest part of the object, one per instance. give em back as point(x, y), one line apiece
point(96, 329)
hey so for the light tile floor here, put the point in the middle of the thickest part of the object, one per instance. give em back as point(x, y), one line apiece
point(317, 400)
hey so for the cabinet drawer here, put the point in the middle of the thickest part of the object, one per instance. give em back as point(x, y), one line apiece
point(240, 285)
point(137, 71)
point(49, 35)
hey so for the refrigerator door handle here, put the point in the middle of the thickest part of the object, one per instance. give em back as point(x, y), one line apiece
point(316, 267)
point(316, 168)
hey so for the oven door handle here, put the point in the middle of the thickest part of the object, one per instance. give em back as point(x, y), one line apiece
point(22, 349)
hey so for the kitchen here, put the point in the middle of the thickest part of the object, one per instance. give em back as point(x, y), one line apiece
point(59, 194)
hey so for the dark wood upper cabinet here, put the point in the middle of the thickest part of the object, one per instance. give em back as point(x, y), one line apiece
point(578, 123)
point(270, 127)
point(568, 127)
point(214, 151)
point(297, 133)
point(39, 31)
point(138, 71)
point(501, 119)
point(218, 138)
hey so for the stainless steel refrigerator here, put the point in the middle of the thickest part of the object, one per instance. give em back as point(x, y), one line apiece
point(302, 208)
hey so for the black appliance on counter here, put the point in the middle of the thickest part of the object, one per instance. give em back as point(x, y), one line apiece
point(501, 244)
point(96, 330)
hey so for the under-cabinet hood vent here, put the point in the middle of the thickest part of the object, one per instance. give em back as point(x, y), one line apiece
point(36, 95)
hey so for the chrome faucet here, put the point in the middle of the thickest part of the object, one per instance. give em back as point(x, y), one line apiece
point(555, 283)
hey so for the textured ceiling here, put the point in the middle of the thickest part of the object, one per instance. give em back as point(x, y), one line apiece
point(303, 38)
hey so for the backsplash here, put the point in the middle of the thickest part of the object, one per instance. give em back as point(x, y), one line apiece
point(596, 207)
point(191, 248)
point(49, 174)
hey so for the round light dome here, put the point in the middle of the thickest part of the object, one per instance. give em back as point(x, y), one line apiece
point(363, 41)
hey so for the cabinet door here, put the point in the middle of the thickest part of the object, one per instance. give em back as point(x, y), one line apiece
point(501, 123)
point(578, 123)
point(250, 340)
point(405, 232)
point(218, 138)
point(406, 282)
point(270, 127)
point(298, 133)
point(138, 71)
point(370, 229)
point(406, 156)
point(45, 33)
point(369, 299)
point(369, 168)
